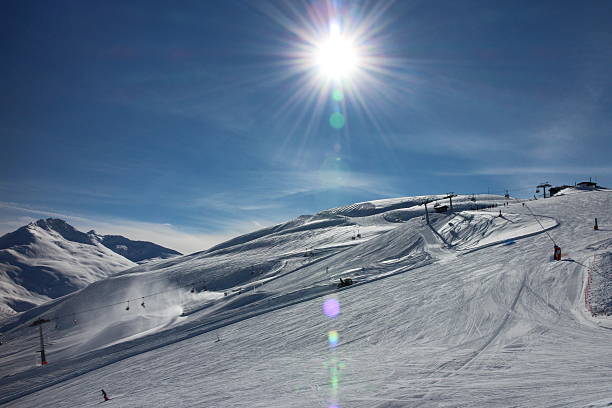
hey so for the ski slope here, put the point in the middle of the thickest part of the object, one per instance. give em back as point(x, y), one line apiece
point(471, 311)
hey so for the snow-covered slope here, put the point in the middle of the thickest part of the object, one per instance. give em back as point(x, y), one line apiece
point(48, 259)
point(468, 311)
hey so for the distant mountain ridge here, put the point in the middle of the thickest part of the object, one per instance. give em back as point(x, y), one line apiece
point(49, 258)
point(135, 251)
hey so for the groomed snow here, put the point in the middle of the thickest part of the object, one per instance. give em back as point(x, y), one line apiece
point(470, 314)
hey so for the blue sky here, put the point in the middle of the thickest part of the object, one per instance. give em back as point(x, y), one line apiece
point(189, 123)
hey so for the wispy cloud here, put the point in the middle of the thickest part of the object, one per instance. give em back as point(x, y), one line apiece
point(582, 171)
point(460, 144)
point(195, 94)
point(14, 215)
point(279, 186)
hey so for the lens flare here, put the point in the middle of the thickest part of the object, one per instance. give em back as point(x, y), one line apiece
point(338, 49)
point(331, 308)
point(333, 338)
point(337, 95)
point(336, 120)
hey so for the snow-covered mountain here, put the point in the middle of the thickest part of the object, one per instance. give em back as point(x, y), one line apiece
point(468, 310)
point(49, 258)
point(135, 251)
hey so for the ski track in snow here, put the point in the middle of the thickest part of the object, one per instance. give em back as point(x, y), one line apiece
point(469, 314)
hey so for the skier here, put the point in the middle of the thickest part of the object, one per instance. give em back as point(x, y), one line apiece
point(105, 396)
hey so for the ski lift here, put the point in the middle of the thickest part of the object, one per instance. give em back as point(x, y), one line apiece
point(128, 305)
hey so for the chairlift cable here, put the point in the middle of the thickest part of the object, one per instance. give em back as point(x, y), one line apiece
point(93, 309)
point(543, 229)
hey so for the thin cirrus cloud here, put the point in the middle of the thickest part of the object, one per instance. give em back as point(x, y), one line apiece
point(529, 170)
point(216, 217)
point(290, 184)
point(15, 215)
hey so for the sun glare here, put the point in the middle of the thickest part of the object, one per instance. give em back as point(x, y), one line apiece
point(336, 57)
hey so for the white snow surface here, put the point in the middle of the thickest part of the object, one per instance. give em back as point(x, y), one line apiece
point(50, 266)
point(470, 311)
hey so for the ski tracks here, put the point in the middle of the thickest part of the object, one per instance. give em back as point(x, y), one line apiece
point(457, 365)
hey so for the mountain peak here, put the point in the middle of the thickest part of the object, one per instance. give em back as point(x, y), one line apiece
point(64, 229)
point(52, 223)
point(136, 251)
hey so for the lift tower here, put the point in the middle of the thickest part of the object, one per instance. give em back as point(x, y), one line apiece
point(543, 186)
point(39, 323)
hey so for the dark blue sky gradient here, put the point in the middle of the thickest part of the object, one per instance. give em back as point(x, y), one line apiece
point(180, 113)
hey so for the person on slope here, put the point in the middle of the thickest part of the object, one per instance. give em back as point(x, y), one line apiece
point(105, 396)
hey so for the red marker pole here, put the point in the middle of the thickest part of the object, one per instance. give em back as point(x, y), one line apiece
point(557, 254)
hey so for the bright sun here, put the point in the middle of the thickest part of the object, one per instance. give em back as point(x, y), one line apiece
point(336, 57)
